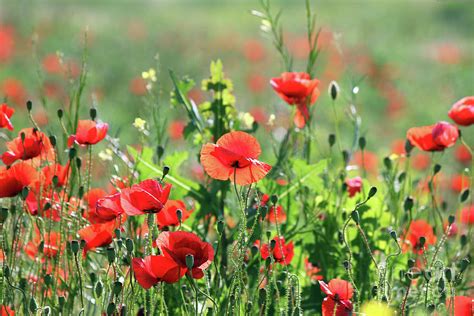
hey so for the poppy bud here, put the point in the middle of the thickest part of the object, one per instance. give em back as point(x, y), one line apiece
point(464, 264)
point(408, 204)
point(190, 261)
point(463, 240)
point(93, 113)
point(427, 275)
point(117, 287)
point(3, 214)
point(262, 295)
point(402, 176)
point(46, 206)
point(464, 195)
point(411, 263)
point(129, 245)
point(254, 250)
point(52, 140)
point(422, 241)
point(72, 153)
point(372, 192)
point(33, 305)
point(272, 244)
point(46, 310)
point(408, 147)
point(268, 262)
point(387, 163)
point(123, 310)
point(333, 89)
point(345, 157)
point(436, 169)
point(340, 237)
point(269, 234)
point(41, 246)
point(48, 279)
point(6, 270)
point(93, 277)
point(74, 246)
point(60, 113)
point(362, 143)
point(274, 198)
point(249, 308)
point(61, 301)
point(166, 170)
point(111, 308)
point(78, 163)
point(110, 254)
point(99, 287)
point(384, 299)
point(431, 308)
point(346, 265)
point(80, 192)
point(29, 105)
point(448, 273)
point(22, 136)
point(263, 211)
point(331, 140)
point(374, 290)
point(55, 180)
point(160, 150)
point(355, 217)
point(24, 193)
point(451, 219)
point(441, 284)
point(220, 227)
point(393, 234)
point(179, 215)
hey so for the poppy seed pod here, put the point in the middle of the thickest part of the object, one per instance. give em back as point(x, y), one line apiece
point(29, 105)
point(129, 245)
point(111, 308)
point(331, 140)
point(98, 289)
point(408, 203)
point(436, 169)
point(190, 261)
point(333, 89)
point(53, 140)
point(464, 264)
point(362, 143)
point(220, 227)
point(60, 113)
point(74, 246)
point(448, 274)
point(93, 113)
point(451, 219)
point(166, 170)
point(464, 196)
point(393, 234)
point(372, 192)
point(274, 198)
point(110, 254)
point(160, 150)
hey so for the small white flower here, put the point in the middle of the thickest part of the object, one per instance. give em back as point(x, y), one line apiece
point(271, 119)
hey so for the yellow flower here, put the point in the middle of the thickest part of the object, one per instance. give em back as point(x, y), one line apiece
point(149, 75)
point(247, 119)
point(106, 155)
point(139, 124)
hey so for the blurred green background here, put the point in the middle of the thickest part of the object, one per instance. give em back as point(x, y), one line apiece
point(411, 59)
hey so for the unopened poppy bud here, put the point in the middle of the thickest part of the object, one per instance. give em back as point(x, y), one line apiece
point(72, 153)
point(166, 170)
point(160, 150)
point(387, 163)
point(3, 214)
point(268, 262)
point(374, 290)
point(110, 254)
point(393, 234)
point(41, 246)
point(436, 169)
point(263, 211)
point(60, 113)
point(402, 177)
point(98, 289)
point(427, 274)
point(262, 295)
point(179, 215)
point(274, 198)
point(111, 308)
point(422, 241)
point(464, 196)
point(189, 261)
point(411, 263)
point(362, 143)
point(345, 157)
point(78, 163)
point(408, 203)
point(33, 305)
point(22, 136)
point(74, 246)
point(372, 192)
point(272, 244)
point(331, 140)
point(441, 284)
point(61, 301)
point(451, 219)
point(464, 264)
point(431, 308)
point(93, 277)
point(117, 287)
point(46, 310)
point(333, 89)
point(254, 250)
point(129, 245)
point(93, 113)
point(384, 299)
point(448, 273)
point(408, 147)
point(55, 180)
point(463, 240)
point(346, 264)
point(80, 192)
point(340, 237)
point(355, 217)
point(118, 233)
point(220, 227)
point(6, 270)
point(269, 234)
point(48, 279)
point(123, 310)
point(53, 140)
point(24, 193)
point(29, 105)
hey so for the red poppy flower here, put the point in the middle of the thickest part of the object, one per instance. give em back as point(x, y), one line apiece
point(168, 216)
point(297, 88)
point(98, 235)
point(6, 311)
point(154, 269)
point(234, 156)
point(463, 155)
point(418, 228)
point(282, 253)
point(36, 204)
point(434, 137)
point(367, 161)
point(337, 302)
point(354, 186)
point(51, 243)
point(254, 51)
point(467, 215)
point(459, 183)
point(177, 245)
point(88, 132)
point(137, 86)
point(107, 209)
point(7, 43)
point(420, 161)
point(14, 179)
point(13, 90)
point(55, 170)
point(5, 115)
point(176, 129)
point(149, 196)
point(462, 112)
point(312, 271)
point(460, 306)
point(280, 215)
point(52, 64)
point(34, 144)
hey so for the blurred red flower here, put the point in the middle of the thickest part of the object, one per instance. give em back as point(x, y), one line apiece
point(367, 161)
point(52, 64)
point(176, 129)
point(462, 112)
point(459, 183)
point(98, 235)
point(178, 245)
point(7, 43)
point(282, 253)
point(14, 179)
point(13, 90)
point(354, 186)
point(50, 242)
point(88, 132)
point(460, 306)
point(154, 269)
point(434, 137)
point(337, 302)
point(57, 171)
point(462, 154)
point(29, 144)
point(138, 86)
point(418, 228)
point(5, 114)
point(234, 156)
point(168, 215)
point(312, 270)
point(6, 311)
point(297, 88)
point(467, 215)
point(149, 196)
point(254, 50)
